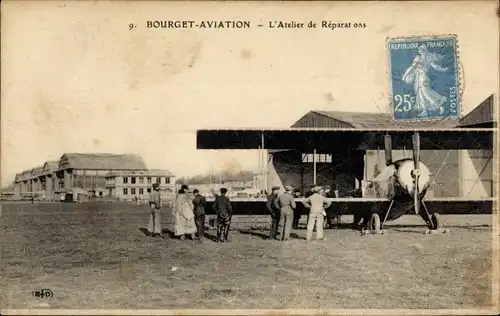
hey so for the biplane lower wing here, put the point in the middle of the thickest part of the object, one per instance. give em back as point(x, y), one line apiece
point(249, 206)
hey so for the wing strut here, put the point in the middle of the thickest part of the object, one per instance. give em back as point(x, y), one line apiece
point(264, 165)
point(314, 167)
point(416, 170)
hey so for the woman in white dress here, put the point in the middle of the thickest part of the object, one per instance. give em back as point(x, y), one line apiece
point(184, 215)
point(426, 99)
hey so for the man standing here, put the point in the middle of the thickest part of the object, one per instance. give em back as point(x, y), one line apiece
point(154, 227)
point(286, 203)
point(296, 213)
point(317, 204)
point(199, 202)
point(274, 212)
point(224, 210)
point(330, 211)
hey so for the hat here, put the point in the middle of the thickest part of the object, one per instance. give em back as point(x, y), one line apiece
point(184, 187)
point(156, 184)
point(317, 188)
point(288, 188)
point(223, 190)
point(275, 188)
point(327, 187)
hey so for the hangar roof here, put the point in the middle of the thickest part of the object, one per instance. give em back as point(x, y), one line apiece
point(324, 119)
point(102, 162)
point(482, 115)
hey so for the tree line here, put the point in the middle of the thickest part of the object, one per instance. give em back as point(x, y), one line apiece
point(218, 177)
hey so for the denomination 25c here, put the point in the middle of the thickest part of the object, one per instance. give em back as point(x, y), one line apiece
point(404, 102)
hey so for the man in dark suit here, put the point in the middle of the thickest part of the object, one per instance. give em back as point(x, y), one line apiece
point(274, 212)
point(224, 210)
point(199, 202)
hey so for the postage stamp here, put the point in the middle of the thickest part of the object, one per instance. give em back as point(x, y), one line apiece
point(424, 78)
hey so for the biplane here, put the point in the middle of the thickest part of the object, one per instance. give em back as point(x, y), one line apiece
point(403, 183)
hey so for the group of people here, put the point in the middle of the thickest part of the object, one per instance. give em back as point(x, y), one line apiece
point(189, 214)
point(282, 208)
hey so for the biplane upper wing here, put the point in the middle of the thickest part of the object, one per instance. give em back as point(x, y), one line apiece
point(341, 139)
point(452, 205)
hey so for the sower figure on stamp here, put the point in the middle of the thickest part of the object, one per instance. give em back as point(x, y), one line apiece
point(199, 202)
point(417, 74)
point(286, 203)
point(317, 204)
point(274, 212)
point(183, 214)
point(224, 210)
point(154, 227)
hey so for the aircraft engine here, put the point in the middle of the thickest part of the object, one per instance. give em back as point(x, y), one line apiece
point(399, 175)
point(404, 175)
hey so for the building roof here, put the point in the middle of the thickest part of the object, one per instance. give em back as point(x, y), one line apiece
point(143, 173)
point(480, 115)
point(102, 162)
point(37, 171)
point(375, 120)
point(50, 166)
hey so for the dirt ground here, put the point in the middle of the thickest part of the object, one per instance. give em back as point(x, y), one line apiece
point(94, 256)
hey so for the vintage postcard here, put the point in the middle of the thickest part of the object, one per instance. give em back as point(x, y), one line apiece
point(249, 158)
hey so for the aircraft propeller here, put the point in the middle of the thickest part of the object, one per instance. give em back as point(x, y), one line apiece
point(388, 149)
point(416, 170)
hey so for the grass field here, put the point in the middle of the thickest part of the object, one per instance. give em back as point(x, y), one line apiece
point(94, 256)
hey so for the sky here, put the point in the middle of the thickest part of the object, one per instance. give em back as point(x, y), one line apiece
point(75, 79)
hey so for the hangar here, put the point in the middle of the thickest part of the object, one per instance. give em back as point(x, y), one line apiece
point(456, 173)
point(100, 174)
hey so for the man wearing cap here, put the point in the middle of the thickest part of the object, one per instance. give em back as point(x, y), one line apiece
point(296, 217)
point(154, 227)
point(199, 202)
point(273, 211)
point(317, 204)
point(286, 203)
point(330, 214)
point(224, 210)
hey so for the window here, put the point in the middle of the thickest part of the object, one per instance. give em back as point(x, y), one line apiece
point(149, 190)
point(320, 158)
point(141, 180)
point(159, 180)
point(167, 180)
point(149, 180)
point(132, 180)
point(125, 191)
point(125, 180)
point(141, 191)
point(132, 191)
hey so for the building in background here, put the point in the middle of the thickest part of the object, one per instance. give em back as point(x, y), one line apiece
point(89, 172)
point(127, 184)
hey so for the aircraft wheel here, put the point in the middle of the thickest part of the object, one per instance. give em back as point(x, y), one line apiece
point(435, 221)
point(375, 222)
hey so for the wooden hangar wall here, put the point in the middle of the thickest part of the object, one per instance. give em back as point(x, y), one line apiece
point(341, 170)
